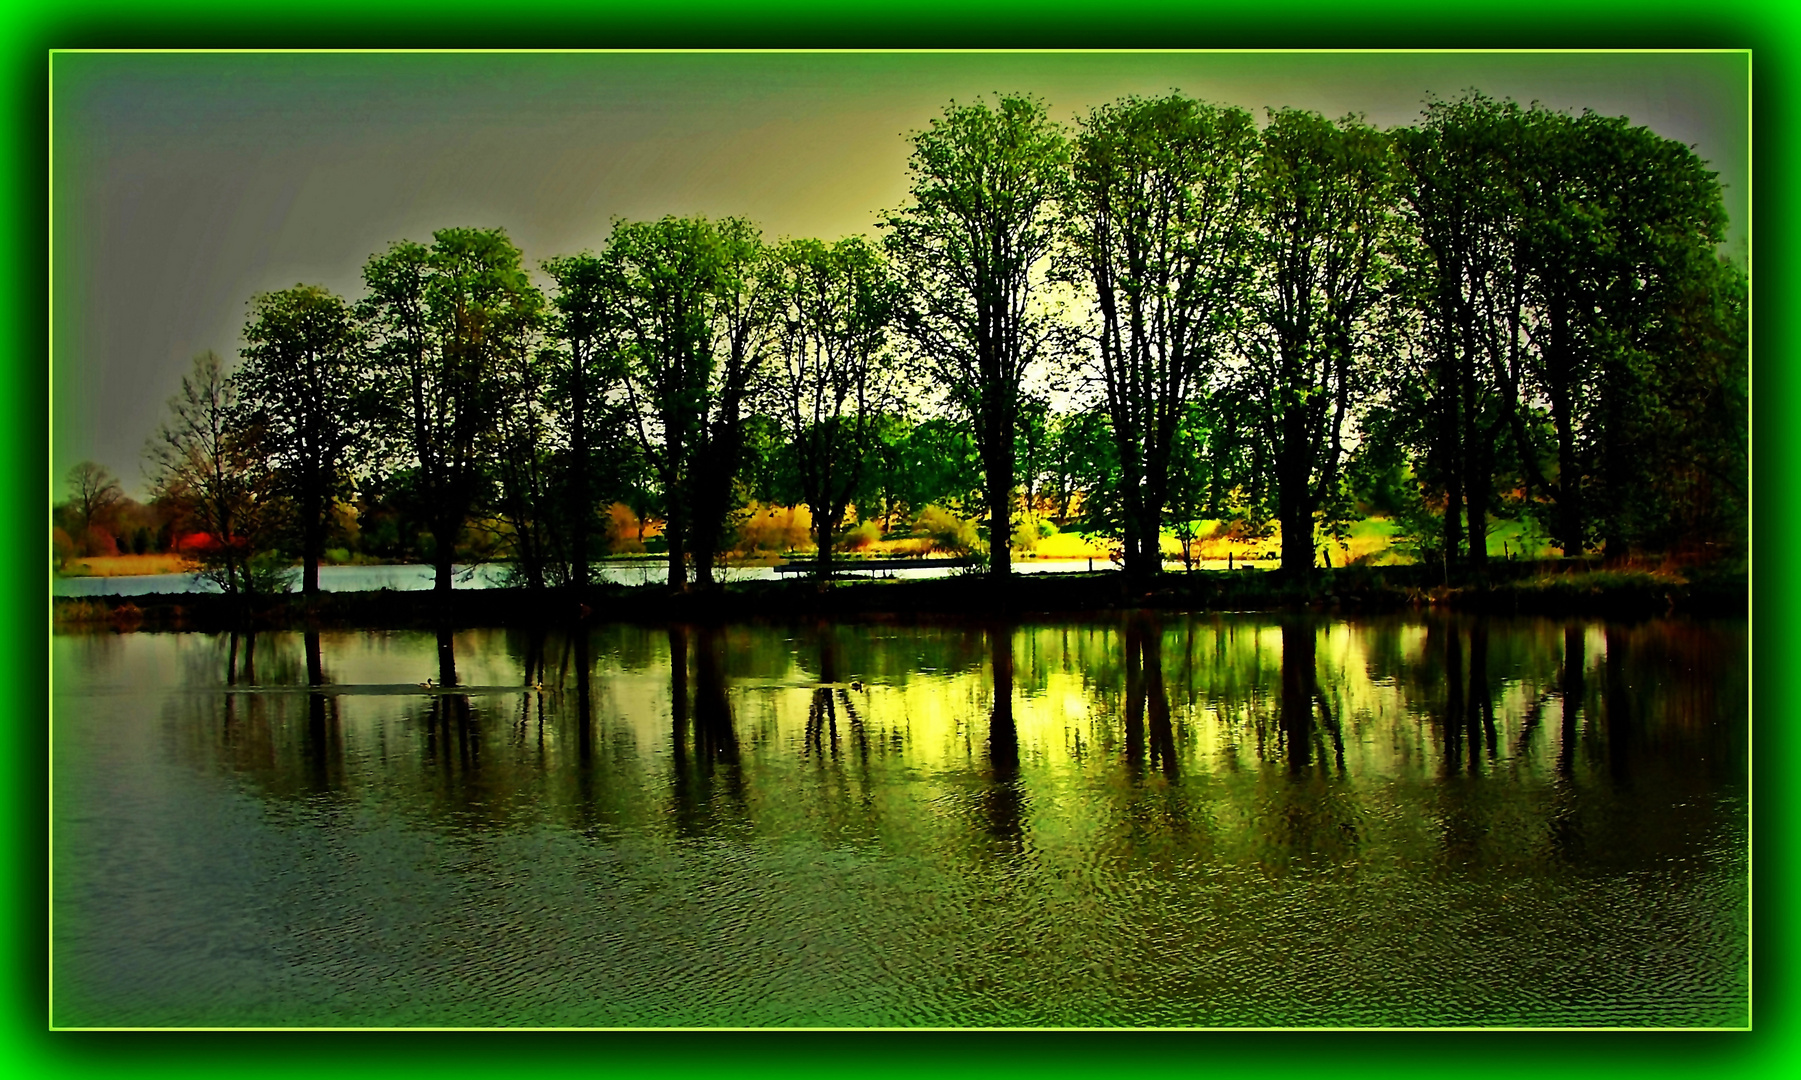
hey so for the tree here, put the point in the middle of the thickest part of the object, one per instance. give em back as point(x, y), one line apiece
point(208, 462)
point(972, 250)
point(831, 385)
point(1159, 229)
point(527, 465)
point(442, 320)
point(93, 492)
point(693, 323)
point(583, 320)
point(1461, 179)
point(740, 338)
point(1325, 202)
point(301, 386)
point(1662, 219)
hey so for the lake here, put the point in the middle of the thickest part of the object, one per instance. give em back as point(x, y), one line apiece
point(413, 577)
point(1136, 820)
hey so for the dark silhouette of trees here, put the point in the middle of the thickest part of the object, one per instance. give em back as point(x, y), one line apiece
point(740, 338)
point(1498, 311)
point(443, 320)
point(972, 249)
point(301, 387)
point(1573, 286)
point(582, 323)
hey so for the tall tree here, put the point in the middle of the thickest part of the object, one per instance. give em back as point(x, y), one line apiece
point(692, 306)
point(583, 318)
point(1160, 231)
point(832, 387)
point(93, 492)
point(301, 384)
point(442, 320)
point(1461, 180)
point(527, 463)
point(1663, 219)
point(664, 274)
point(204, 460)
point(740, 338)
point(1325, 203)
point(972, 250)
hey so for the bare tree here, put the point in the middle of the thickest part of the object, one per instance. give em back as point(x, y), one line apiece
point(207, 461)
point(93, 492)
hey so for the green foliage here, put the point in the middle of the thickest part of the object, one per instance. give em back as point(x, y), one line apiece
point(833, 383)
point(1325, 200)
point(444, 323)
point(1159, 229)
point(1499, 314)
point(972, 249)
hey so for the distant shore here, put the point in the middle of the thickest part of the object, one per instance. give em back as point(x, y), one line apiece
point(1548, 587)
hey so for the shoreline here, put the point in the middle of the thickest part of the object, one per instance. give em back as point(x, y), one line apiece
point(1511, 588)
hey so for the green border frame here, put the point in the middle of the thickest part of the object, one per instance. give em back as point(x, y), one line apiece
point(35, 26)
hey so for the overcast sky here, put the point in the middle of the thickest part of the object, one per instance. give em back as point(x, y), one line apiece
point(185, 184)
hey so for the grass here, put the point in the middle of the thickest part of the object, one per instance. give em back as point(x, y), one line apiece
point(126, 565)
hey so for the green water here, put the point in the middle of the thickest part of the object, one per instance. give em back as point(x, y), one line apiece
point(1140, 821)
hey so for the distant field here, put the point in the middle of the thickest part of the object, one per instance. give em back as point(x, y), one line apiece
point(126, 565)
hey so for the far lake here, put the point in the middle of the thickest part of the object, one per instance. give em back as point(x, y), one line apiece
point(1134, 820)
point(413, 577)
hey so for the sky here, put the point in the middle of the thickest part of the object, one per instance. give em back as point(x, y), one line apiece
point(185, 184)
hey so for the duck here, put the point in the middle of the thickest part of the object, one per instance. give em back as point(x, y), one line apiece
point(427, 684)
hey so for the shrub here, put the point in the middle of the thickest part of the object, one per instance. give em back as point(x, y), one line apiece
point(859, 537)
point(100, 543)
point(624, 530)
point(271, 572)
point(949, 534)
point(1026, 533)
point(775, 529)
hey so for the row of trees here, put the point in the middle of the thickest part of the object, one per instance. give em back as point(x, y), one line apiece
point(1497, 310)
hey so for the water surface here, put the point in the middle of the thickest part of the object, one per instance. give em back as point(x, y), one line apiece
point(1138, 821)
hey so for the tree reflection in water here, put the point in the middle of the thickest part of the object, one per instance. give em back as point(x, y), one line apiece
point(1145, 808)
point(1003, 797)
point(704, 739)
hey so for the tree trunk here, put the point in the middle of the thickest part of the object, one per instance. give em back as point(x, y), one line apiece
point(1475, 459)
point(1569, 469)
point(825, 525)
point(443, 555)
point(1294, 499)
point(312, 545)
point(578, 493)
point(678, 555)
point(1449, 448)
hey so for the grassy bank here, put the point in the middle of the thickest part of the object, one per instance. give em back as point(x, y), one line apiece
point(1548, 588)
point(127, 565)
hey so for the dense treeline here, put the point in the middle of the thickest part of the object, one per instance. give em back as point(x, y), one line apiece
point(1161, 316)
